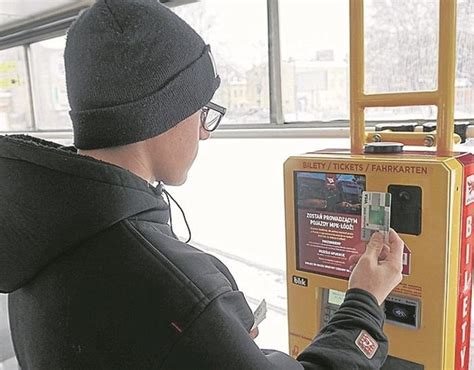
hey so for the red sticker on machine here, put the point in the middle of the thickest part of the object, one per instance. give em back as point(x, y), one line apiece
point(406, 262)
point(366, 344)
point(463, 324)
point(469, 190)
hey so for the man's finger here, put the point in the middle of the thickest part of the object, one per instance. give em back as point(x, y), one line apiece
point(396, 245)
point(385, 252)
point(353, 259)
point(394, 237)
point(375, 245)
point(254, 333)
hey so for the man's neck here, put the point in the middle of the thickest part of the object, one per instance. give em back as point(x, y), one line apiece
point(133, 161)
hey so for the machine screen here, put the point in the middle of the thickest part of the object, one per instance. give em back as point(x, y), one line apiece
point(335, 297)
point(331, 301)
point(328, 221)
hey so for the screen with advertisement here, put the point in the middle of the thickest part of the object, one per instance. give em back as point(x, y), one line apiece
point(328, 221)
point(336, 297)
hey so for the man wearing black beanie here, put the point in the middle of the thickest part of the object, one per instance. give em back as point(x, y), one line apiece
point(97, 278)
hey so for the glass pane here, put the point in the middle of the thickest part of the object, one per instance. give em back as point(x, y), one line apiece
point(315, 49)
point(237, 33)
point(465, 61)
point(50, 95)
point(401, 113)
point(401, 52)
point(401, 45)
point(15, 108)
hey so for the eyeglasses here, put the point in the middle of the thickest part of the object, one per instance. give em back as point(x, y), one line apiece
point(211, 116)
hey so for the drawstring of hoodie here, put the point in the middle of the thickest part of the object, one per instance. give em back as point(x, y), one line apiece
point(168, 196)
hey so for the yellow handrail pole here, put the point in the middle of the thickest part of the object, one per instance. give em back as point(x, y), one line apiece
point(356, 11)
point(446, 76)
point(399, 99)
point(443, 97)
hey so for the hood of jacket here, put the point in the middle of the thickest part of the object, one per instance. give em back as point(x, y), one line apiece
point(52, 199)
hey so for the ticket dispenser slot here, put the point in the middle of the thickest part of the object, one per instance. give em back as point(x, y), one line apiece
point(406, 209)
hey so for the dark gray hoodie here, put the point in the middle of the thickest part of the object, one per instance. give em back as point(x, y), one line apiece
point(97, 279)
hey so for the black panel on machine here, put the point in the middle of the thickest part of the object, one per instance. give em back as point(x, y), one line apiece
point(401, 313)
point(406, 209)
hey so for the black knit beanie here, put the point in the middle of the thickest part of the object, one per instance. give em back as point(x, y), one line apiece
point(134, 70)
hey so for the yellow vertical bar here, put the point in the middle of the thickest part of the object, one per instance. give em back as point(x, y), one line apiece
point(446, 76)
point(356, 12)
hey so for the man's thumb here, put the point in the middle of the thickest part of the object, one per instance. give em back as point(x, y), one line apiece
point(375, 245)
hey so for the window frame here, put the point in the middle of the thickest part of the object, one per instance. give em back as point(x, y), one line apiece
point(56, 24)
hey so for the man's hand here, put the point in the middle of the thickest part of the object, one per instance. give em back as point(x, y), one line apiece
point(254, 333)
point(379, 269)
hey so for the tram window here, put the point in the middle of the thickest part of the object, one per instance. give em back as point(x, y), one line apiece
point(419, 111)
point(315, 66)
point(237, 32)
point(465, 61)
point(49, 84)
point(411, 30)
point(15, 108)
point(401, 45)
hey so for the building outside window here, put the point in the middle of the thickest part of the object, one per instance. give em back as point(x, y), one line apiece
point(237, 32)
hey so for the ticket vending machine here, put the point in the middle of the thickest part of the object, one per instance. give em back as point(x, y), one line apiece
point(432, 191)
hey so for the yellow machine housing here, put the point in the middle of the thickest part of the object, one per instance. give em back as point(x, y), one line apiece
point(438, 237)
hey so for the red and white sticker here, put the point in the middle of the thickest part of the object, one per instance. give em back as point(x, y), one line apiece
point(469, 190)
point(406, 266)
point(366, 344)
